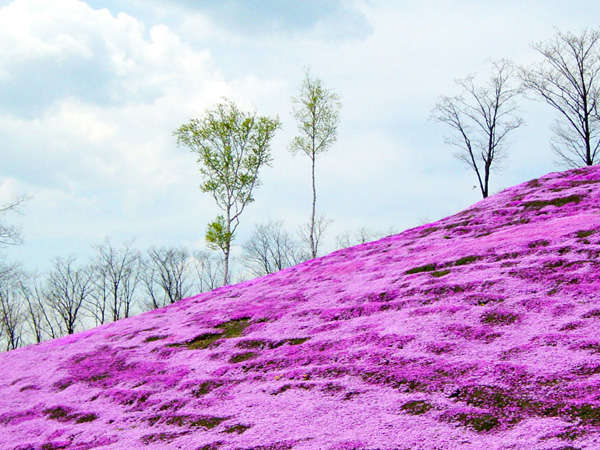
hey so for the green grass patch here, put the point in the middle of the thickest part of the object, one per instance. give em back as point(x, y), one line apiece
point(239, 429)
point(479, 422)
point(155, 338)
point(440, 273)
point(231, 329)
point(203, 341)
point(156, 437)
point(425, 268)
point(466, 260)
point(416, 407)
point(538, 243)
point(499, 318)
point(86, 418)
point(56, 413)
point(584, 233)
point(240, 357)
point(297, 341)
point(206, 387)
point(234, 328)
point(282, 389)
point(208, 422)
point(588, 414)
point(561, 201)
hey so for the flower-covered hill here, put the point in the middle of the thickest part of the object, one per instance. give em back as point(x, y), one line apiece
point(479, 330)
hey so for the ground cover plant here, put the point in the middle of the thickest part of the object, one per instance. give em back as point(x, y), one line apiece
point(479, 330)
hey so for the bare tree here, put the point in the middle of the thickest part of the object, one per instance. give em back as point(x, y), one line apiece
point(567, 80)
point(98, 305)
point(166, 276)
point(208, 270)
point(10, 234)
point(11, 310)
point(68, 288)
point(116, 275)
point(311, 235)
point(270, 249)
point(480, 118)
point(39, 319)
point(361, 236)
point(317, 112)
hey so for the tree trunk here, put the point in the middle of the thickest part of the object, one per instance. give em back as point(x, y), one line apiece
point(485, 189)
point(588, 146)
point(226, 267)
point(312, 217)
point(227, 250)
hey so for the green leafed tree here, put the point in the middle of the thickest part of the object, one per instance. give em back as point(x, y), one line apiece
point(232, 146)
point(317, 112)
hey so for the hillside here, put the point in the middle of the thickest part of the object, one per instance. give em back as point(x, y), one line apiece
point(479, 330)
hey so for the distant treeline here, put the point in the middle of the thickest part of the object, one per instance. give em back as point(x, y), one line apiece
point(121, 281)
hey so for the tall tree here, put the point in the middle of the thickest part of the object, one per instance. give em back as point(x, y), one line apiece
point(567, 79)
point(232, 146)
point(317, 111)
point(480, 118)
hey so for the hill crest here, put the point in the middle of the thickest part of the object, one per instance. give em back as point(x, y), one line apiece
point(477, 330)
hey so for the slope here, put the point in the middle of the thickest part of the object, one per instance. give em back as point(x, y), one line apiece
point(478, 330)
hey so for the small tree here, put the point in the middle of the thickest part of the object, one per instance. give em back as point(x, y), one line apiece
point(567, 79)
point(271, 248)
point(480, 119)
point(232, 146)
point(361, 236)
point(316, 110)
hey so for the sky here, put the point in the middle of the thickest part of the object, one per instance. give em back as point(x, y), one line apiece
point(92, 92)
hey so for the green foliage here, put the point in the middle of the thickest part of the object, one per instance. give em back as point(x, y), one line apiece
point(316, 110)
point(231, 146)
point(217, 235)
